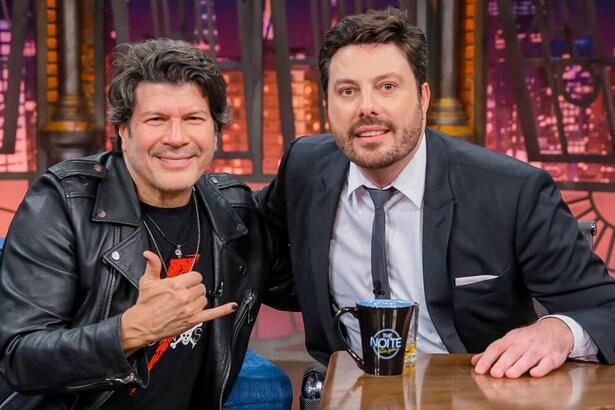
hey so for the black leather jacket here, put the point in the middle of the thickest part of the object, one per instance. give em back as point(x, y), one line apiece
point(71, 266)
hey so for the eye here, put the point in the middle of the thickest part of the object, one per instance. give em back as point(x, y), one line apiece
point(388, 86)
point(196, 116)
point(154, 120)
point(346, 91)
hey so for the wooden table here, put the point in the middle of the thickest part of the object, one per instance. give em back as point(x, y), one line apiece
point(448, 382)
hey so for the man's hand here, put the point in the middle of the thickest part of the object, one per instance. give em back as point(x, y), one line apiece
point(539, 348)
point(166, 307)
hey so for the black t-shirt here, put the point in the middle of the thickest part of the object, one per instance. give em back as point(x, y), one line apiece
point(174, 362)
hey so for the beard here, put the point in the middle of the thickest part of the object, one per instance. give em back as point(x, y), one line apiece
point(376, 155)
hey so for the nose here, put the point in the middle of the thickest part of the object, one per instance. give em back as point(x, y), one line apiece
point(367, 105)
point(175, 134)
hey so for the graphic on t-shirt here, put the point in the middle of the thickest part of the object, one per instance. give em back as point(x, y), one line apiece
point(178, 266)
point(190, 336)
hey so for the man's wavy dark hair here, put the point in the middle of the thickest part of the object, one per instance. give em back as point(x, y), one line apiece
point(382, 26)
point(163, 61)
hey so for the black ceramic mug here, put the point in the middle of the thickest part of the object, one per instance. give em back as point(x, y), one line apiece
point(384, 327)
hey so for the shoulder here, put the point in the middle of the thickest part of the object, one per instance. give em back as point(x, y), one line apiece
point(466, 158)
point(314, 144)
point(77, 177)
point(311, 152)
point(315, 140)
point(92, 166)
point(232, 189)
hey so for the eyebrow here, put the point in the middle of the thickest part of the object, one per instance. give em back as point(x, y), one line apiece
point(389, 75)
point(198, 112)
point(376, 79)
point(161, 114)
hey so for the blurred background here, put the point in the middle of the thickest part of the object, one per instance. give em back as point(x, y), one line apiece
point(531, 78)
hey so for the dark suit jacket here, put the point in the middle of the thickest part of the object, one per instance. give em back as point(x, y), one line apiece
point(484, 214)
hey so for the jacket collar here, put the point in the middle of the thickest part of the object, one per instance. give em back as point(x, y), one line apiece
point(438, 215)
point(116, 199)
point(117, 202)
point(335, 173)
point(225, 222)
point(437, 186)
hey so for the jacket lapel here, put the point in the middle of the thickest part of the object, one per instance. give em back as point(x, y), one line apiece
point(117, 203)
point(116, 197)
point(322, 217)
point(225, 222)
point(127, 256)
point(437, 220)
point(226, 226)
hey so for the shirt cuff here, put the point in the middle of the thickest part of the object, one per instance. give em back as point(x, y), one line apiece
point(584, 347)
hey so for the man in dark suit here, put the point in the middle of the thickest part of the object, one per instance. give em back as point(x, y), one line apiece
point(471, 235)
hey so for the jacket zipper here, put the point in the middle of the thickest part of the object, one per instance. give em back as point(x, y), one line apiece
point(246, 305)
point(116, 240)
point(8, 400)
point(113, 273)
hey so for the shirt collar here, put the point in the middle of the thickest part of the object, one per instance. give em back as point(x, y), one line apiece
point(410, 181)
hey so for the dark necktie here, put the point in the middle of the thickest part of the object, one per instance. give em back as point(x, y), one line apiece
point(379, 262)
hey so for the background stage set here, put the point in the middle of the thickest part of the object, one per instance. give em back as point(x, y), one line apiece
point(534, 79)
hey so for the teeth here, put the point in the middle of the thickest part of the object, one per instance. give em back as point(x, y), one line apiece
point(371, 133)
point(173, 160)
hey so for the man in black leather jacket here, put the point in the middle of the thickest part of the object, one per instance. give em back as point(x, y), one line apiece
point(102, 285)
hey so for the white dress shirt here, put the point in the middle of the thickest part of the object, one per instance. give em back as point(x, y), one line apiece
point(350, 276)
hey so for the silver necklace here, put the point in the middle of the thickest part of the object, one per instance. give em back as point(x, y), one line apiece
point(178, 246)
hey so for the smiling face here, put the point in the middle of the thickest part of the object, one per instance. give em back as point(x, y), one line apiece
point(374, 108)
point(169, 141)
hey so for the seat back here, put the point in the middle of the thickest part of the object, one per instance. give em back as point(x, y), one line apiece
point(588, 230)
point(311, 387)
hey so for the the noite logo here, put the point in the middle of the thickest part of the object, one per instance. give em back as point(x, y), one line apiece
point(386, 343)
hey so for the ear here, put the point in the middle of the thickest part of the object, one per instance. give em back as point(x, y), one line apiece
point(425, 96)
point(326, 110)
point(217, 136)
point(122, 131)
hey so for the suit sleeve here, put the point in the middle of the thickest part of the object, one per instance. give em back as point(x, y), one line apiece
point(42, 349)
point(271, 203)
point(559, 266)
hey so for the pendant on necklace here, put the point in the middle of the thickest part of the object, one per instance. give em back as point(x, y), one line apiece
point(178, 251)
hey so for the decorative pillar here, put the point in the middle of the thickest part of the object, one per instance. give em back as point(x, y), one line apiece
point(70, 131)
point(446, 111)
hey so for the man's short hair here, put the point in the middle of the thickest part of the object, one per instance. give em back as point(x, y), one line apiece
point(381, 26)
point(164, 61)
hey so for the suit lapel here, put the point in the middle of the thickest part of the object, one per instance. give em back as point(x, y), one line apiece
point(322, 217)
point(437, 220)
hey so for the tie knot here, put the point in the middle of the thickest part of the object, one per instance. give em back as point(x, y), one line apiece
point(380, 197)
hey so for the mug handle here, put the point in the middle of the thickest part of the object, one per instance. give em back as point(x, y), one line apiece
point(337, 322)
